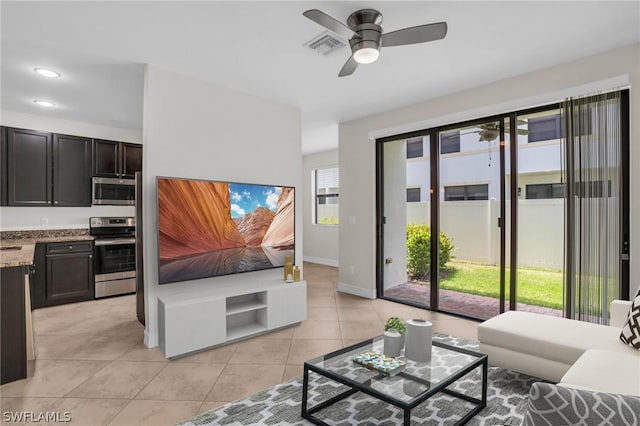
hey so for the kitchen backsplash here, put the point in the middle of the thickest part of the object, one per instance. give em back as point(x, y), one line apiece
point(44, 233)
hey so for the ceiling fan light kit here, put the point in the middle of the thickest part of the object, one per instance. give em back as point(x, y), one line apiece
point(366, 55)
point(366, 25)
point(366, 37)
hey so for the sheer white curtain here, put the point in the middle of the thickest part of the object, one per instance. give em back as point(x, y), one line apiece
point(594, 193)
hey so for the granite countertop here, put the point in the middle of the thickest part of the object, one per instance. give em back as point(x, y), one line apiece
point(26, 241)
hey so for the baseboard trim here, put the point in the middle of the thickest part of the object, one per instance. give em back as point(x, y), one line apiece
point(321, 261)
point(150, 339)
point(357, 291)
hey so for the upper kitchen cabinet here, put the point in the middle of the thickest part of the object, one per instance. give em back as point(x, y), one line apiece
point(28, 167)
point(71, 171)
point(131, 160)
point(47, 169)
point(116, 159)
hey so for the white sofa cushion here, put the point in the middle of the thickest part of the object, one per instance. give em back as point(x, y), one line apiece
point(630, 333)
point(552, 338)
point(605, 371)
point(619, 312)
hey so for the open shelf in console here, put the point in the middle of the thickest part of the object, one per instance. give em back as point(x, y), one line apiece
point(246, 302)
point(246, 314)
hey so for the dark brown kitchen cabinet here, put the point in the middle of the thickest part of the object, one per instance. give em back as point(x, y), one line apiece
point(105, 158)
point(63, 273)
point(3, 166)
point(46, 169)
point(116, 159)
point(71, 171)
point(28, 167)
point(13, 344)
point(131, 160)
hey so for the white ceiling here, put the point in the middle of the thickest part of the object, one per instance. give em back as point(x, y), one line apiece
point(256, 47)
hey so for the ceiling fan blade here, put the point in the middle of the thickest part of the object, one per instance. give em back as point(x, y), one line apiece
point(349, 67)
point(413, 35)
point(333, 24)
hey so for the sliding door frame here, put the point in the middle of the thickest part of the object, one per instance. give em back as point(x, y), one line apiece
point(434, 151)
point(625, 206)
point(513, 214)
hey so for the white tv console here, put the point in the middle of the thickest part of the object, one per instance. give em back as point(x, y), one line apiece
point(189, 322)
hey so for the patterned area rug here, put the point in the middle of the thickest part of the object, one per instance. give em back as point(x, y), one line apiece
point(506, 402)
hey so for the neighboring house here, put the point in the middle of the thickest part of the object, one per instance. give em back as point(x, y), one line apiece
point(469, 167)
point(470, 189)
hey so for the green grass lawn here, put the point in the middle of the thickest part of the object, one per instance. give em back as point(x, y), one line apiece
point(535, 286)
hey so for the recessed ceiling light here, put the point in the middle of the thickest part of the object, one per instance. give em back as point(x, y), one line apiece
point(47, 73)
point(45, 104)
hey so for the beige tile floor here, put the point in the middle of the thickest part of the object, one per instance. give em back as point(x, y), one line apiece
point(92, 364)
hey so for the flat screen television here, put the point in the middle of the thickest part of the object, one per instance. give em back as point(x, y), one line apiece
point(212, 228)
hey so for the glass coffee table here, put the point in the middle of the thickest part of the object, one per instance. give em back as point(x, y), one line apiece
point(417, 383)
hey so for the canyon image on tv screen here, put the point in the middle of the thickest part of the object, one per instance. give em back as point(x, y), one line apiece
point(210, 228)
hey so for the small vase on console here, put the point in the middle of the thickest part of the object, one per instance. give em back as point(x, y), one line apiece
point(288, 269)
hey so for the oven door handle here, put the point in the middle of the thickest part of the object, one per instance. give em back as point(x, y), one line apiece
point(115, 241)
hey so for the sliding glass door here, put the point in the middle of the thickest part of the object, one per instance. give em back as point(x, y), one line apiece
point(541, 204)
point(470, 199)
point(440, 219)
point(497, 214)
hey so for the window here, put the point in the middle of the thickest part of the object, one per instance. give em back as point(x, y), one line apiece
point(449, 142)
point(326, 196)
point(539, 191)
point(466, 192)
point(413, 195)
point(414, 148)
point(545, 128)
point(593, 189)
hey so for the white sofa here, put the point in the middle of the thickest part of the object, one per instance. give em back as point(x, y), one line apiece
point(571, 353)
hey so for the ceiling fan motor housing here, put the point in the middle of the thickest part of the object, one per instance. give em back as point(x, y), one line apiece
point(365, 23)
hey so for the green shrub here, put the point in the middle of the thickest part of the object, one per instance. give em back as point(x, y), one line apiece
point(419, 250)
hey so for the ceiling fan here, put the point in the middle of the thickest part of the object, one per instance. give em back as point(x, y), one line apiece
point(488, 132)
point(366, 38)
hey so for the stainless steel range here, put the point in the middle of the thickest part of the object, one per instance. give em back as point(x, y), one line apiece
point(115, 255)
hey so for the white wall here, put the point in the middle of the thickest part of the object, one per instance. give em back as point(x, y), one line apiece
point(28, 218)
point(34, 218)
point(69, 127)
point(197, 130)
point(357, 149)
point(320, 241)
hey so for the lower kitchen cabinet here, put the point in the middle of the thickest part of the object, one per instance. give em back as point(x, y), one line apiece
point(64, 273)
point(13, 345)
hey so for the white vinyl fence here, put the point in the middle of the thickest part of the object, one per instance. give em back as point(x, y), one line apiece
point(473, 227)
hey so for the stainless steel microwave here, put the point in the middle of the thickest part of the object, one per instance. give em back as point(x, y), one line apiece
point(114, 191)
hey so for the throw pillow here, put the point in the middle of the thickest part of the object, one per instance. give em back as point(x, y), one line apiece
point(631, 331)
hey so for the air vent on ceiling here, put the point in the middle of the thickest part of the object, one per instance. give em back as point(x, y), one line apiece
point(325, 43)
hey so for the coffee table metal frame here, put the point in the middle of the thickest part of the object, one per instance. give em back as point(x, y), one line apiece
point(481, 361)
